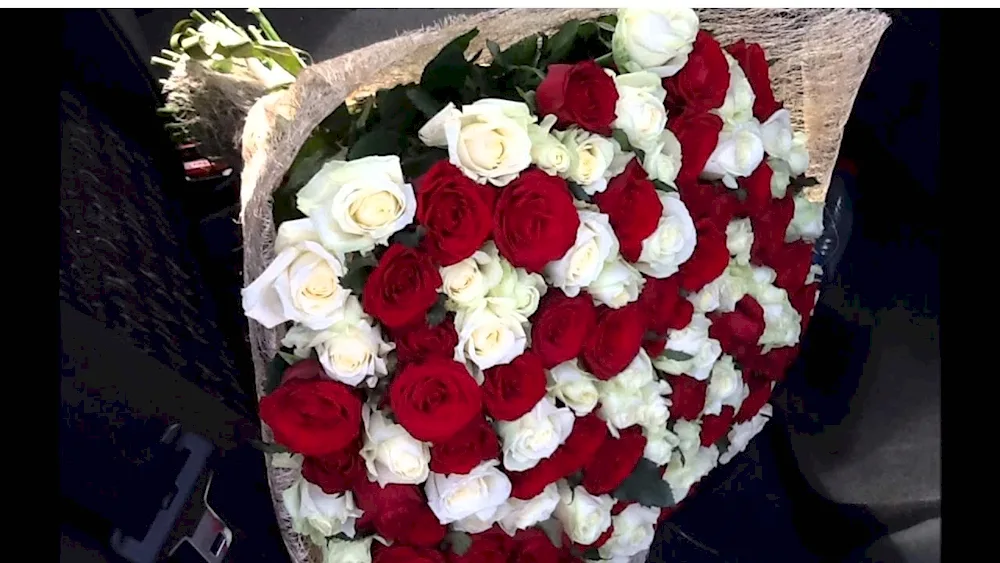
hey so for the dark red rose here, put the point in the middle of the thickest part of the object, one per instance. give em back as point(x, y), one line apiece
point(421, 341)
point(666, 513)
point(491, 546)
point(715, 426)
point(791, 263)
point(533, 546)
point(663, 305)
point(739, 330)
point(615, 341)
point(511, 390)
point(754, 64)
point(709, 203)
point(336, 472)
point(760, 393)
point(698, 134)
point(614, 461)
point(702, 82)
point(758, 188)
point(579, 94)
point(456, 211)
point(773, 365)
point(309, 368)
point(535, 220)
point(402, 287)
point(804, 301)
point(313, 417)
point(435, 399)
point(654, 346)
point(687, 396)
point(632, 207)
point(560, 326)
point(406, 554)
point(476, 442)
point(398, 513)
point(710, 258)
point(589, 432)
point(769, 226)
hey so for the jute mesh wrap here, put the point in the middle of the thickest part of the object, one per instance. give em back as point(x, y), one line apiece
point(821, 57)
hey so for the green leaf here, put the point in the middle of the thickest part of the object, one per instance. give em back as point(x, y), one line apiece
point(269, 447)
point(447, 71)
point(395, 109)
point(741, 194)
point(591, 554)
point(804, 182)
point(408, 237)
point(645, 486)
point(415, 166)
point(605, 26)
point(622, 139)
point(378, 142)
point(424, 101)
point(495, 52)
point(610, 19)
point(723, 444)
point(311, 157)
point(437, 312)
point(290, 359)
point(354, 280)
point(528, 97)
point(677, 355)
point(561, 43)
point(336, 125)
point(662, 186)
point(275, 369)
point(524, 52)
point(578, 192)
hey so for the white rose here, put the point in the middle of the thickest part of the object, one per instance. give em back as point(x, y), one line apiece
point(781, 142)
point(467, 281)
point(741, 434)
point(815, 274)
point(673, 241)
point(318, 515)
point(358, 204)
point(692, 340)
point(781, 177)
point(738, 105)
point(657, 40)
point(739, 240)
point(633, 533)
point(807, 222)
point(592, 157)
point(782, 323)
point(584, 517)
point(518, 291)
point(724, 292)
point(634, 396)
point(639, 111)
point(534, 436)
point(595, 243)
point(576, 388)
point(660, 444)
point(301, 284)
point(688, 434)
point(517, 514)
point(487, 140)
point(618, 284)
point(663, 160)
point(390, 453)
point(352, 551)
point(478, 494)
point(684, 471)
point(351, 350)
point(738, 153)
point(726, 387)
point(488, 339)
point(547, 151)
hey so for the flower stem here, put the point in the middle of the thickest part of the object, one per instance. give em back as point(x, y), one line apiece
point(170, 54)
point(265, 25)
point(163, 62)
point(229, 23)
point(200, 17)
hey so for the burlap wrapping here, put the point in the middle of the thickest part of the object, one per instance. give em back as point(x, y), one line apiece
point(821, 57)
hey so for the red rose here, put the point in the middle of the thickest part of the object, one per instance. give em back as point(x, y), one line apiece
point(709, 203)
point(804, 301)
point(421, 341)
point(710, 258)
point(398, 513)
point(654, 346)
point(760, 393)
point(402, 287)
point(791, 263)
point(769, 226)
point(632, 207)
point(702, 82)
point(758, 189)
point(560, 326)
point(614, 461)
point(589, 432)
point(615, 341)
point(491, 546)
point(336, 472)
point(435, 399)
point(456, 211)
point(687, 396)
point(313, 417)
point(406, 554)
point(535, 220)
point(739, 330)
point(511, 390)
point(663, 305)
point(698, 134)
point(310, 368)
point(581, 94)
point(476, 442)
point(715, 426)
point(773, 365)
point(533, 546)
point(754, 65)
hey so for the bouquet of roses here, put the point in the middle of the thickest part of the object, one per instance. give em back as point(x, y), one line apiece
point(531, 301)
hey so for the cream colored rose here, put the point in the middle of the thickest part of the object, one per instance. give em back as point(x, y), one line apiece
point(534, 436)
point(673, 241)
point(658, 40)
point(358, 204)
point(738, 105)
point(351, 350)
point(390, 453)
point(739, 240)
point(517, 514)
point(742, 433)
point(634, 529)
point(547, 151)
point(487, 140)
point(663, 160)
point(660, 444)
point(618, 284)
point(518, 291)
point(694, 341)
point(781, 177)
point(683, 471)
point(584, 517)
point(639, 112)
point(807, 222)
point(592, 157)
point(726, 387)
point(301, 284)
point(466, 282)
point(576, 388)
point(781, 142)
point(488, 339)
point(634, 396)
point(348, 551)
point(582, 263)
point(737, 154)
point(722, 293)
point(478, 494)
point(318, 515)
